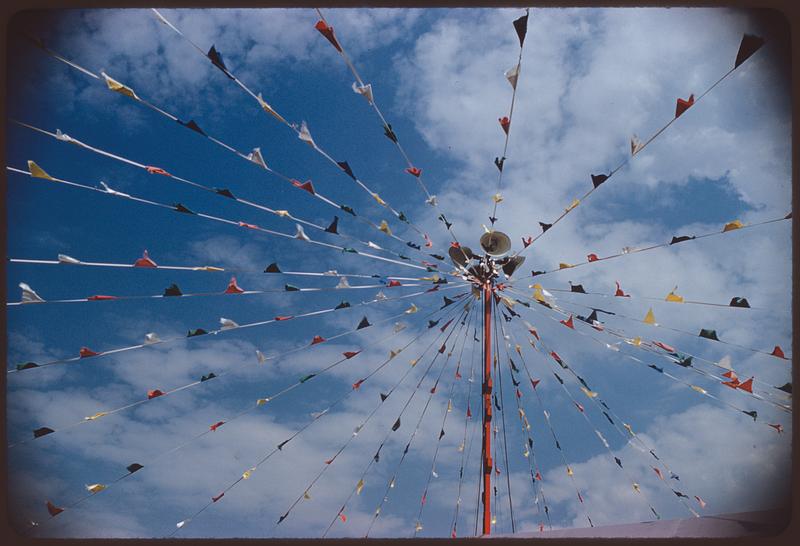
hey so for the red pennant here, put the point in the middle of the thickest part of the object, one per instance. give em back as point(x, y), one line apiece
point(746, 386)
point(101, 298)
point(732, 384)
point(538, 476)
point(343, 518)
point(144, 261)
point(53, 509)
point(534, 332)
point(453, 534)
point(541, 527)
point(350, 354)
point(284, 317)
point(458, 374)
point(249, 226)
point(658, 472)
point(497, 470)
point(414, 171)
point(393, 283)
point(307, 186)
point(535, 382)
point(592, 257)
point(215, 499)
point(664, 346)
point(443, 328)
point(327, 31)
point(87, 352)
point(556, 357)
point(233, 288)
point(428, 242)
point(580, 408)
point(357, 384)
point(469, 411)
point(505, 123)
point(317, 339)
point(329, 461)
point(156, 170)
point(455, 244)
point(526, 241)
point(683, 105)
point(442, 348)
point(777, 427)
point(777, 351)
point(568, 323)
point(730, 375)
point(619, 292)
point(434, 289)
point(519, 394)
point(216, 425)
point(579, 497)
point(433, 390)
point(154, 394)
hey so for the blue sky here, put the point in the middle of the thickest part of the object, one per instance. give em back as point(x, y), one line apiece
point(590, 78)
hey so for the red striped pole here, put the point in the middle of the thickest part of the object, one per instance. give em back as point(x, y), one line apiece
point(487, 408)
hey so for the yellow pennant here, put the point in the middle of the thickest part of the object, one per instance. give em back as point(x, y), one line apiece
point(414, 362)
point(521, 413)
point(537, 292)
point(587, 392)
point(701, 390)
point(377, 198)
point(562, 265)
point(268, 109)
point(572, 205)
point(673, 297)
point(730, 226)
point(636, 487)
point(38, 172)
point(207, 268)
point(650, 318)
point(95, 416)
point(247, 473)
point(508, 301)
point(95, 488)
point(411, 310)
point(449, 406)
point(497, 198)
point(518, 348)
point(569, 471)
point(359, 486)
point(262, 401)
point(628, 428)
point(282, 213)
point(306, 495)
point(384, 227)
point(392, 353)
point(114, 85)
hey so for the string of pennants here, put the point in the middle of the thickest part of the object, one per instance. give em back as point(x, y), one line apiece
point(748, 46)
point(302, 131)
point(332, 228)
point(254, 157)
point(628, 250)
point(394, 475)
point(146, 262)
point(152, 339)
point(261, 359)
point(35, 171)
point(649, 319)
point(397, 424)
point(678, 358)
point(603, 407)
point(365, 90)
point(512, 75)
point(135, 467)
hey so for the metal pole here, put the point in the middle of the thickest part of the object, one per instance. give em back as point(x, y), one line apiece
point(487, 407)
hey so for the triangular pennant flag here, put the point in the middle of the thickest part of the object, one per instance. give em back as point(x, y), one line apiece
point(730, 226)
point(598, 179)
point(650, 318)
point(216, 59)
point(37, 172)
point(683, 105)
point(592, 258)
point(739, 302)
point(673, 297)
point(179, 207)
point(636, 145)
point(521, 26)
point(305, 135)
point(346, 168)
point(505, 123)
point(682, 238)
point(300, 234)
point(327, 31)
point(750, 44)
point(578, 288)
point(53, 509)
point(154, 394)
point(708, 334)
point(363, 324)
point(227, 324)
point(777, 351)
point(343, 305)
point(544, 226)
point(307, 186)
point(64, 259)
point(208, 377)
point(350, 354)
point(568, 323)
point(233, 288)
point(144, 261)
point(396, 425)
point(43, 431)
point(192, 124)
point(272, 268)
point(364, 90)
point(384, 227)
point(134, 467)
point(317, 339)
point(114, 85)
point(413, 171)
point(619, 292)
point(256, 157)
point(28, 294)
point(269, 110)
point(86, 352)
point(290, 288)
point(512, 75)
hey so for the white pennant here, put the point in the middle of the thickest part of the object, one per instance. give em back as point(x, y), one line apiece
point(112, 191)
point(305, 136)
point(301, 234)
point(28, 295)
point(152, 337)
point(256, 157)
point(511, 75)
point(64, 259)
point(260, 356)
point(227, 324)
point(363, 90)
point(343, 283)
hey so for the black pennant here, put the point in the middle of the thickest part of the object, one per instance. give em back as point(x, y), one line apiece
point(396, 424)
point(207, 377)
point(196, 332)
point(180, 208)
point(682, 238)
point(134, 467)
point(578, 288)
point(283, 443)
point(609, 418)
point(618, 461)
point(342, 305)
point(708, 334)
point(347, 209)
point(225, 191)
point(413, 245)
point(598, 179)
point(39, 432)
point(272, 268)
point(387, 130)
point(346, 168)
point(498, 161)
point(363, 324)
point(384, 397)
point(544, 226)
point(191, 124)
point(521, 26)
point(172, 290)
point(334, 227)
point(750, 44)
point(216, 60)
point(739, 302)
